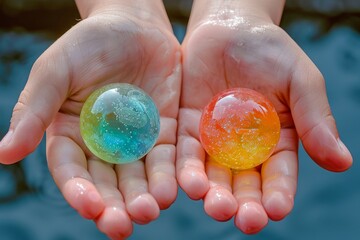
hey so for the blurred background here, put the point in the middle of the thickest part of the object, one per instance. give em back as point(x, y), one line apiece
point(327, 205)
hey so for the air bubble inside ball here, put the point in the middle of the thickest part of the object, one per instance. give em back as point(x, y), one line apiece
point(239, 128)
point(119, 123)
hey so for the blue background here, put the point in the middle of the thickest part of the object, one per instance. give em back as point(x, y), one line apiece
point(327, 205)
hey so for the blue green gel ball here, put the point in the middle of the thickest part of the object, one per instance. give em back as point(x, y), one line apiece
point(119, 123)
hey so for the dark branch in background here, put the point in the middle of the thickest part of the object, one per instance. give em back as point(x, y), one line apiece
point(327, 21)
point(54, 21)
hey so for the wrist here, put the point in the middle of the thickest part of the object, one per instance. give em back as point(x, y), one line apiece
point(271, 9)
point(148, 11)
point(267, 10)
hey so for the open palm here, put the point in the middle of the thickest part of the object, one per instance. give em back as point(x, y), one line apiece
point(228, 52)
point(102, 49)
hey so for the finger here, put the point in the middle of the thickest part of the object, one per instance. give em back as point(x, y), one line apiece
point(279, 177)
point(251, 216)
point(38, 103)
point(160, 169)
point(114, 221)
point(132, 182)
point(190, 170)
point(68, 166)
point(313, 119)
point(219, 202)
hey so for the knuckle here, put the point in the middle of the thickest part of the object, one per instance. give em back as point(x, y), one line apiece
point(39, 64)
point(20, 106)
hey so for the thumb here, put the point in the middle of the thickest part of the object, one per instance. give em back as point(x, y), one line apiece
point(38, 103)
point(313, 119)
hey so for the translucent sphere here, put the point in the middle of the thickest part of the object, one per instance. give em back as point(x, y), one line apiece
point(119, 123)
point(239, 128)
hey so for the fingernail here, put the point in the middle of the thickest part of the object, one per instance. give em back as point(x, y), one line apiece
point(342, 147)
point(7, 139)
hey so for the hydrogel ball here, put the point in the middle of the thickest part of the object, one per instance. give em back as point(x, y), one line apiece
point(239, 128)
point(119, 123)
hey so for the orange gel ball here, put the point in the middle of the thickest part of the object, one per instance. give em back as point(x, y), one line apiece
point(239, 128)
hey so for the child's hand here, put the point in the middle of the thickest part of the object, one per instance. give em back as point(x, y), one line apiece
point(225, 47)
point(112, 44)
